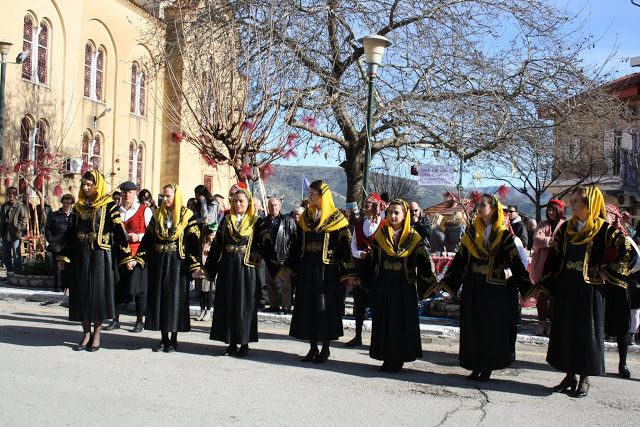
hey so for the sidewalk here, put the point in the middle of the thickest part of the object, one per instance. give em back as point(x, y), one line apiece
point(442, 328)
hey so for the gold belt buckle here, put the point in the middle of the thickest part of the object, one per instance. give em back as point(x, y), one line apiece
point(236, 249)
point(578, 265)
point(87, 236)
point(394, 266)
point(313, 247)
point(482, 269)
point(169, 247)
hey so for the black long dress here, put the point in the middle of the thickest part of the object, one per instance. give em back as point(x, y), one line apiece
point(576, 342)
point(170, 264)
point(395, 332)
point(321, 261)
point(88, 250)
point(238, 290)
point(486, 303)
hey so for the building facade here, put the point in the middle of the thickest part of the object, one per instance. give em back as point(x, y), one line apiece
point(85, 95)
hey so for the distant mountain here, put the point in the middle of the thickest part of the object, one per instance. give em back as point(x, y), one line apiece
point(287, 183)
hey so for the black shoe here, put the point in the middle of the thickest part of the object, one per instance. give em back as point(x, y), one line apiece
point(568, 383)
point(159, 347)
point(111, 326)
point(93, 349)
point(310, 356)
point(244, 350)
point(321, 357)
point(355, 342)
point(57, 289)
point(484, 376)
point(623, 371)
point(583, 387)
point(384, 367)
point(474, 375)
point(170, 348)
point(231, 350)
point(271, 309)
point(137, 328)
point(84, 346)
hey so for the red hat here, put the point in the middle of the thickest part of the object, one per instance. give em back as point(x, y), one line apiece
point(559, 205)
point(375, 196)
point(242, 185)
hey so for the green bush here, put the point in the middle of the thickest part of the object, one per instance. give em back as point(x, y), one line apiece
point(38, 267)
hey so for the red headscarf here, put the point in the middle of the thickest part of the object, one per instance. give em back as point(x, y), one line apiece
point(617, 218)
point(378, 205)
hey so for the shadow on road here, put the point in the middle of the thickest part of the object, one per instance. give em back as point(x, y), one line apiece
point(121, 339)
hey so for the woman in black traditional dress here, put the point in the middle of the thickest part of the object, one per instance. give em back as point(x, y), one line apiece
point(486, 303)
point(241, 241)
point(321, 259)
point(171, 251)
point(617, 318)
point(401, 261)
point(574, 274)
point(87, 250)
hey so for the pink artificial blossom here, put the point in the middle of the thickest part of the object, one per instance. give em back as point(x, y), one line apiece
point(57, 191)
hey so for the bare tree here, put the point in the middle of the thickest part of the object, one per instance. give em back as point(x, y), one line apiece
point(564, 147)
point(457, 78)
point(225, 86)
point(395, 186)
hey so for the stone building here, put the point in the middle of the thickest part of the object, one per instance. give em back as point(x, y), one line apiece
point(84, 93)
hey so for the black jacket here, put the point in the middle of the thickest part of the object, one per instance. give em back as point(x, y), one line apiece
point(520, 230)
point(423, 227)
point(57, 223)
point(284, 237)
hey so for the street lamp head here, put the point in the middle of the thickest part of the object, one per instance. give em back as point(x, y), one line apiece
point(5, 46)
point(635, 61)
point(374, 46)
point(22, 56)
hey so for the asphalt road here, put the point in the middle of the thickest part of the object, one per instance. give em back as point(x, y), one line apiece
point(44, 382)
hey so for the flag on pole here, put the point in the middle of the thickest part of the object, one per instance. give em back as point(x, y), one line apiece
point(305, 183)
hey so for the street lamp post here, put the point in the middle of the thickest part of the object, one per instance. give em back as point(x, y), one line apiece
point(4, 51)
point(374, 46)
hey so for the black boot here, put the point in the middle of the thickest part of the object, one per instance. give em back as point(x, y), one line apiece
point(623, 348)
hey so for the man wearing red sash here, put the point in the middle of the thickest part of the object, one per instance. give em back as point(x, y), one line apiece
point(132, 284)
point(363, 236)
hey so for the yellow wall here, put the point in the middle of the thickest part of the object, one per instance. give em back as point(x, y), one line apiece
point(118, 26)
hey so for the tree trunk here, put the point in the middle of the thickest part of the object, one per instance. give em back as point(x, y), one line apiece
point(355, 178)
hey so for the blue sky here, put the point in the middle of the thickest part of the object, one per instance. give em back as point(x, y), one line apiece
point(615, 25)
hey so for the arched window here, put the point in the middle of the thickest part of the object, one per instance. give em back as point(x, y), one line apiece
point(25, 131)
point(43, 51)
point(94, 72)
point(88, 59)
point(138, 90)
point(27, 44)
point(91, 150)
point(40, 142)
point(35, 39)
point(136, 158)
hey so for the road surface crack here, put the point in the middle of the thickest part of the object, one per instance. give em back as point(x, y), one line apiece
point(448, 414)
point(483, 404)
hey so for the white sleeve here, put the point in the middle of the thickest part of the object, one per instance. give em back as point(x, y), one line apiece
point(147, 218)
point(523, 256)
point(354, 247)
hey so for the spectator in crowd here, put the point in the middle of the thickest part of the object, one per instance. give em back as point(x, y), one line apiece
point(42, 218)
point(297, 212)
point(542, 238)
point(132, 284)
point(13, 217)
point(365, 230)
point(438, 239)
point(518, 225)
point(531, 227)
point(208, 207)
point(454, 230)
point(259, 209)
point(282, 229)
point(117, 198)
point(145, 198)
point(57, 223)
point(221, 206)
point(204, 286)
point(420, 223)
